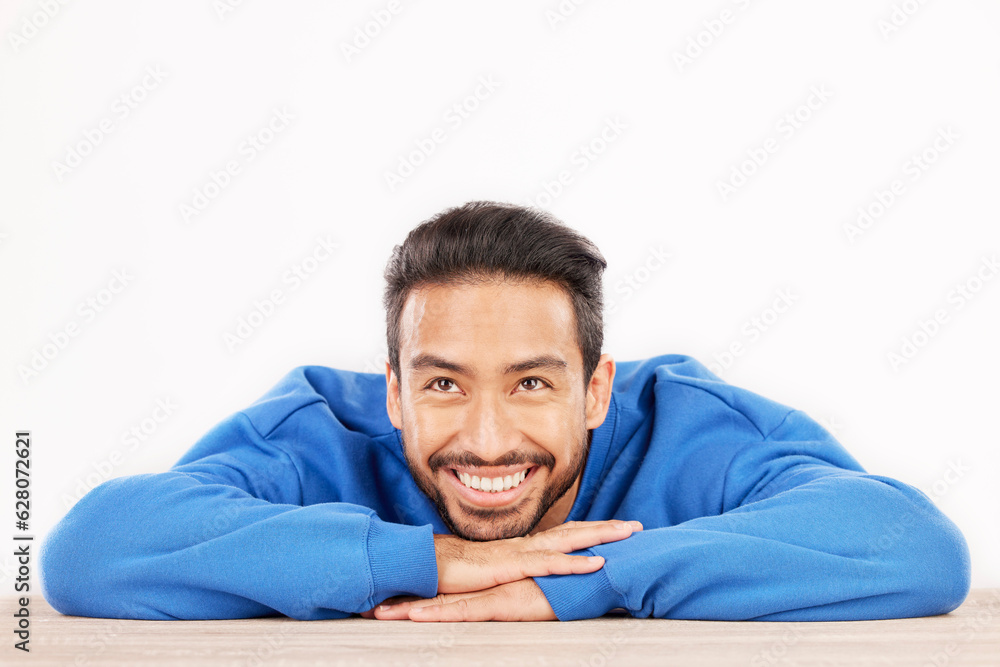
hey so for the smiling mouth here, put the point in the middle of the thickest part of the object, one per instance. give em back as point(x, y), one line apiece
point(492, 484)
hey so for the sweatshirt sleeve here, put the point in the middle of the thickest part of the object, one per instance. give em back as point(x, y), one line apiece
point(223, 534)
point(804, 534)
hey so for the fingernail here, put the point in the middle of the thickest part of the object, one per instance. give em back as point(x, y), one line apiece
point(383, 607)
point(417, 610)
point(622, 525)
point(637, 525)
point(597, 560)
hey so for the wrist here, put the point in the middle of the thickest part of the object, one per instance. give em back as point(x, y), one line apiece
point(579, 596)
point(447, 549)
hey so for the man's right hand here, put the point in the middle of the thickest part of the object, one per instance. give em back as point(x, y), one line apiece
point(465, 566)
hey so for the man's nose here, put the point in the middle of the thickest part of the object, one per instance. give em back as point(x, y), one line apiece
point(489, 429)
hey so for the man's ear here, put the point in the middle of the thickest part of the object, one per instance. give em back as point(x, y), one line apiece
point(392, 405)
point(599, 391)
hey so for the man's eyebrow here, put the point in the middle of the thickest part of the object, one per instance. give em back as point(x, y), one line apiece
point(426, 361)
point(543, 362)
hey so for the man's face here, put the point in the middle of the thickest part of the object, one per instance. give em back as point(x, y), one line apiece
point(492, 397)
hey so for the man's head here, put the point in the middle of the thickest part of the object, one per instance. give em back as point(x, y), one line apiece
point(495, 372)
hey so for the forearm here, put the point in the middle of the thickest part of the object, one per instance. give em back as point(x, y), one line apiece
point(842, 546)
point(169, 546)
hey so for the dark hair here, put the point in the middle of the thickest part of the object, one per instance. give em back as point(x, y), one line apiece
point(483, 241)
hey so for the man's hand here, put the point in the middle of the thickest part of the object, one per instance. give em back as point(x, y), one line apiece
point(516, 601)
point(484, 581)
point(464, 566)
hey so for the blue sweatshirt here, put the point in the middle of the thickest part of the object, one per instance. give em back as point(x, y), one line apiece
point(303, 505)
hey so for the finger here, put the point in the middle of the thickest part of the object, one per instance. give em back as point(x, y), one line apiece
point(386, 605)
point(555, 562)
point(479, 608)
point(500, 604)
point(399, 610)
point(584, 524)
point(544, 563)
point(583, 534)
point(394, 612)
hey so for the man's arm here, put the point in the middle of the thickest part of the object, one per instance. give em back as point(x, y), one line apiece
point(225, 536)
point(804, 534)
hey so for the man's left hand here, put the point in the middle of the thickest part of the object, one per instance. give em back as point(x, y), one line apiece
point(520, 600)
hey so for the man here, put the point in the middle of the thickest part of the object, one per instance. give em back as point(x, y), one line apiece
point(515, 473)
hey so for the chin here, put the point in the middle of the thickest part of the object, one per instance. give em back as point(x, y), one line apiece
point(481, 533)
point(483, 525)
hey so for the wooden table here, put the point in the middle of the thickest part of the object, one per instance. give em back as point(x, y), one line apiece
point(968, 636)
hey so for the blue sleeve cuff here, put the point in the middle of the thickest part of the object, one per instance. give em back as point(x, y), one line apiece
point(386, 542)
point(577, 596)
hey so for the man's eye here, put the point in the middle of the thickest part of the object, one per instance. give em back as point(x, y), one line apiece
point(437, 384)
point(537, 383)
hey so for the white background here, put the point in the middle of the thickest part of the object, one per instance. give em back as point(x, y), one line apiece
point(682, 129)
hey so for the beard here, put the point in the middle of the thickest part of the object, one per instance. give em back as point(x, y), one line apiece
point(482, 524)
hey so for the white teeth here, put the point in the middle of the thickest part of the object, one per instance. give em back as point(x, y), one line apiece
point(493, 484)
